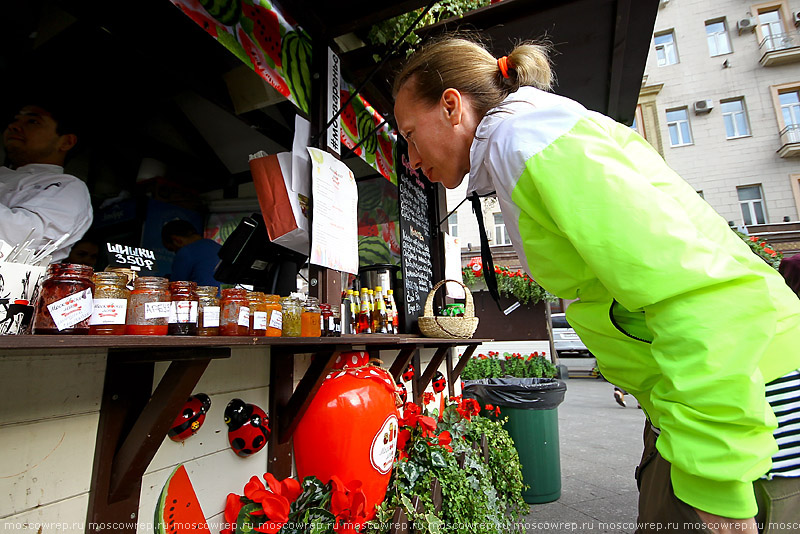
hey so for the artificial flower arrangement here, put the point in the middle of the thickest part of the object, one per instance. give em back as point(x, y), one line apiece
point(762, 249)
point(516, 284)
point(493, 365)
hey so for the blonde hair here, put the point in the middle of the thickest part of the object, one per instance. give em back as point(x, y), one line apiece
point(469, 67)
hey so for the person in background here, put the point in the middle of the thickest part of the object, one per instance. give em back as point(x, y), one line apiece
point(674, 305)
point(790, 270)
point(35, 193)
point(85, 252)
point(195, 257)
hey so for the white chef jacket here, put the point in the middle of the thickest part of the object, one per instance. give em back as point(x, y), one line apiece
point(42, 197)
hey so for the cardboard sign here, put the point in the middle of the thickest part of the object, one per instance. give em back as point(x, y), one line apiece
point(134, 258)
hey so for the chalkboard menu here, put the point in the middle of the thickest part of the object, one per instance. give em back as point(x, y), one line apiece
point(416, 201)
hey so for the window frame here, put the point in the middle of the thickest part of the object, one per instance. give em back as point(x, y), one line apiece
point(685, 109)
point(674, 44)
point(725, 32)
point(498, 226)
point(743, 111)
point(751, 203)
point(452, 224)
point(781, 6)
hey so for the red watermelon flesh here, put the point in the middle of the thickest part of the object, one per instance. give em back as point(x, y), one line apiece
point(266, 30)
point(178, 510)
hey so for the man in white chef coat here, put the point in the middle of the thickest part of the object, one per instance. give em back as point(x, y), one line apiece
point(35, 193)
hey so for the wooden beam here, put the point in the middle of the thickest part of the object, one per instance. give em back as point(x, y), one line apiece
point(433, 365)
point(152, 425)
point(463, 361)
point(281, 382)
point(290, 415)
point(401, 362)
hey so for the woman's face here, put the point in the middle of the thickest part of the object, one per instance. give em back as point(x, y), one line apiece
point(439, 136)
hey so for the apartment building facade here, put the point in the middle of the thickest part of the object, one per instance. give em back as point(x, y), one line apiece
point(721, 101)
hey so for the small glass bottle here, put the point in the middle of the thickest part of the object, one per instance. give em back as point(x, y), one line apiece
point(380, 318)
point(110, 303)
point(64, 305)
point(234, 317)
point(291, 310)
point(364, 314)
point(311, 318)
point(258, 313)
point(392, 305)
point(208, 311)
point(274, 316)
point(183, 309)
point(148, 307)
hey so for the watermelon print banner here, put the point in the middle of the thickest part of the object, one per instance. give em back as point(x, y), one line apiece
point(358, 120)
point(259, 35)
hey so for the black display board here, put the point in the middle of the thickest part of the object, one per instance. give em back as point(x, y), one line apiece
point(416, 211)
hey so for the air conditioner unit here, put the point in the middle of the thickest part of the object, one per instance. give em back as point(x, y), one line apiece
point(796, 17)
point(746, 25)
point(703, 106)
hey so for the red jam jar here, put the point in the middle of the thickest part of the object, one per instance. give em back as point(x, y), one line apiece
point(234, 318)
point(148, 307)
point(183, 309)
point(64, 305)
point(110, 304)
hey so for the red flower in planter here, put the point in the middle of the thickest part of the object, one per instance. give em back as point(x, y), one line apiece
point(428, 397)
point(444, 440)
point(233, 504)
point(275, 501)
point(348, 505)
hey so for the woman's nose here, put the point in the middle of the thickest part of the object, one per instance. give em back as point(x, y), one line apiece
point(413, 156)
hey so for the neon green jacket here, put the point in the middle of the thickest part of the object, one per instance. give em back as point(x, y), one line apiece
point(676, 307)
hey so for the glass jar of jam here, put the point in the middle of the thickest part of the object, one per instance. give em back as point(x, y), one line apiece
point(182, 309)
point(290, 311)
point(110, 303)
point(274, 316)
point(311, 318)
point(234, 317)
point(257, 302)
point(64, 305)
point(208, 312)
point(148, 307)
point(327, 315)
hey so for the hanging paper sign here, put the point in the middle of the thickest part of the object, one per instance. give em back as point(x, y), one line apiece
point(134, 258)
point(259, 35)
point(358, 122)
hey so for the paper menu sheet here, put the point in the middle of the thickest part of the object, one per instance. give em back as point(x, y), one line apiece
point(334, 227)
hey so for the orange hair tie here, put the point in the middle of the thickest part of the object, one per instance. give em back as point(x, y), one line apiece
point(503, 64)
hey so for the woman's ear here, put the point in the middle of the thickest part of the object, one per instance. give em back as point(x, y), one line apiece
point(452, 102)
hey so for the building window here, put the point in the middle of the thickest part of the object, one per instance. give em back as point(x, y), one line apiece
point(666, 52)
point(500, 232)
point(452, 223)
point(752, 204)
point(790, 112)
point(638, 122)
point(735, 118)
point(678, 125)
point(771, 27)
point(717, 35)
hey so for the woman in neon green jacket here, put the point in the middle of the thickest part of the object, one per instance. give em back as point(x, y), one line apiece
point(676, 308)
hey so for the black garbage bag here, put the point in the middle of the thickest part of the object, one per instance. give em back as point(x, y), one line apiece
point(525, 393)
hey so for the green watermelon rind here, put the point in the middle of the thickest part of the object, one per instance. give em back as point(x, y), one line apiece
point(296, 66)
point(366, 125)
point(232, 44)
point(225, 12)
point(158, 521)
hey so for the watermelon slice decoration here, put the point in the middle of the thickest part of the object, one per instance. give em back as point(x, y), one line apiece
point(266, 30)
point(178, 508)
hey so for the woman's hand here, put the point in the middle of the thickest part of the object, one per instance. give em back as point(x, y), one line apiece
point(726, 525)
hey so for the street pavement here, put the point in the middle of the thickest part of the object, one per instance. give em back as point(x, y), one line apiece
point(600, 446)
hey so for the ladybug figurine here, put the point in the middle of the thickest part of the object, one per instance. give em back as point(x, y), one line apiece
point(248, 427)
point(402, 392)
point(191, 418)
point(439, 382)
point(409, 374)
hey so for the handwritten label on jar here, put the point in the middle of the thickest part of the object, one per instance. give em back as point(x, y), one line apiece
point(210, 316)
point(259, 320)
point(108, 311)
point(244, 316)
point(183, 311)
point(71, 310)
point(276, 319)
point(156, 310)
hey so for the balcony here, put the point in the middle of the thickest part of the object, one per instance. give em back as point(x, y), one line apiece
point(780, 49)
point(790, 141)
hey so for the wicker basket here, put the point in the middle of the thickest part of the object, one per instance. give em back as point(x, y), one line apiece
point(449, 327)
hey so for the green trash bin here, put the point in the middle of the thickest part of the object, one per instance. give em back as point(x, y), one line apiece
point(531, 405)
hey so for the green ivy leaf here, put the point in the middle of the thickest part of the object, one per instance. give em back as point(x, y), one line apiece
point(438, 459)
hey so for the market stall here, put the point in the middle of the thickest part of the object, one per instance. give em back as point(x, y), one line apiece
point(86, 418)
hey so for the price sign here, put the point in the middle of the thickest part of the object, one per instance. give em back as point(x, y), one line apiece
point(137, 259)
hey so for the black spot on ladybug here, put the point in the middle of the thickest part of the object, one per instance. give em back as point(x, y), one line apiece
point(238, 443)
point(258, 441)
point(188, 412)
point(245, 452)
